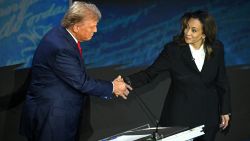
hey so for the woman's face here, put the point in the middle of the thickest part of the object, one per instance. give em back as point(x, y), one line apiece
point(193, 33)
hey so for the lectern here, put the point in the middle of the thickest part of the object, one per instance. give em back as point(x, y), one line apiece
point(165, 133)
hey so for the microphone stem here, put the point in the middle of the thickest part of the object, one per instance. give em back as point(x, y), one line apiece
point(148, 112)
point(155, 134)
point(151, 116)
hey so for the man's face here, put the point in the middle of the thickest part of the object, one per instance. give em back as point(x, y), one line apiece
point(85, 30)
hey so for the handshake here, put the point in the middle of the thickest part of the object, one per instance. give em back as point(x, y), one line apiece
point(120, 88)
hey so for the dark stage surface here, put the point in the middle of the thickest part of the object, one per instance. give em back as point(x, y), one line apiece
point(118, 115)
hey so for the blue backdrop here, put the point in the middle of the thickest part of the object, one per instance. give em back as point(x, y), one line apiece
point(130, 34)
point(23, 24)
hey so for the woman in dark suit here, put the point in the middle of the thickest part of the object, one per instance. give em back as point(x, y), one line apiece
point(199, 90)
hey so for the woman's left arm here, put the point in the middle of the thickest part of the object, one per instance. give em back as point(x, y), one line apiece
point(223, 89)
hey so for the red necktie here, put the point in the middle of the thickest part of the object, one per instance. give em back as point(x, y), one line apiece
point(79, 48)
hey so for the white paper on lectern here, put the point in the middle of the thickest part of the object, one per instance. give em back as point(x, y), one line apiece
point(186, 135)
point(129, 137)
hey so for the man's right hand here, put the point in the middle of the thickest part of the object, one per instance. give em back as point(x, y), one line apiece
point(120, 88)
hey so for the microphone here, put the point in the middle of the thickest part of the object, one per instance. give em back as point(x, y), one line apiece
point(155, 135)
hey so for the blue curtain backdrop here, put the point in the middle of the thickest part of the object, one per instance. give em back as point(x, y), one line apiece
point(22, 25)
point(130, 33)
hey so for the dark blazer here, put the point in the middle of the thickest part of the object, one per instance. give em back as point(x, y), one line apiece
point(194, 98)
point(58, 88)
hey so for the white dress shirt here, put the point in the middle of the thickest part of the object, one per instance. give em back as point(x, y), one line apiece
point(72, 35)
point(198, 56)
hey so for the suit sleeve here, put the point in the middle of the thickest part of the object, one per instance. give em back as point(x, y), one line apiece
point(143, 77)
point(66, 66)
point(222, 84)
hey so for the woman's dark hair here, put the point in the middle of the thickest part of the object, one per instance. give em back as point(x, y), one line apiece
point(208, 26)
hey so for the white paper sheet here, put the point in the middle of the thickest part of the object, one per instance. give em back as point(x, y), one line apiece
point(129, 137)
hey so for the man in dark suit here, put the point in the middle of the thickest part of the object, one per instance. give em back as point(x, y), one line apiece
point(199, 90)
point(60, 84)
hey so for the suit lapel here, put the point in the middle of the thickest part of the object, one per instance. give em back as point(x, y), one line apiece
point(204, 67)
point(207, 63)
point(78, 54)
point(188, 58)
point(73, 45)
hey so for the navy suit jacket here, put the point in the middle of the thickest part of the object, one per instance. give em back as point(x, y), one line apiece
point(58, 88)
point(194, 98)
